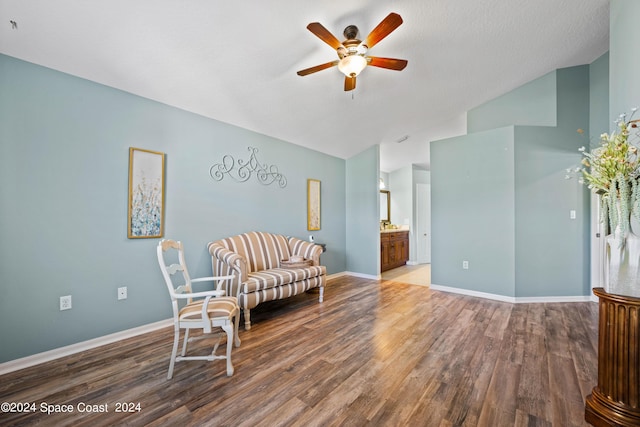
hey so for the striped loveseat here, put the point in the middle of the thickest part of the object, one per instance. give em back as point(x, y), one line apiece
point(255, 259)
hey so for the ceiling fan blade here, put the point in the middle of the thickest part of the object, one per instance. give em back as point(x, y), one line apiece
point(384, 28)
point(389, 63)
point(349, 83)
point(317, 68)
point(324, 35)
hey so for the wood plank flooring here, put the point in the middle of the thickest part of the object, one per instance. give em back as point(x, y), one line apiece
point(414, 274)
point(377, 353)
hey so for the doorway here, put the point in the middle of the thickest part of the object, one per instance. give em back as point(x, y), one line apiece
point(423, 223)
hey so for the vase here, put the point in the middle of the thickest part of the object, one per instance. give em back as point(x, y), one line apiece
point(622, 260)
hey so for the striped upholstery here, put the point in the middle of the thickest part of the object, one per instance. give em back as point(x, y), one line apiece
point(255, 259)
point(251, 300)
point(279, 276)
point(217, 307)
point(261, 250)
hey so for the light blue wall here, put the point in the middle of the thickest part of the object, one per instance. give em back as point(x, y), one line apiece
point(532, 104)
point(552, 249)
point(63, 204)
point(472, 212)
point(624, 61)
point(363, 212)
point(527, 207)
point(599, 118)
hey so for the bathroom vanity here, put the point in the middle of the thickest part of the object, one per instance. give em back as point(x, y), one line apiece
point(394, 249)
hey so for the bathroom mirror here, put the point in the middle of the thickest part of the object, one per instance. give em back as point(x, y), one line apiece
point(385, 206)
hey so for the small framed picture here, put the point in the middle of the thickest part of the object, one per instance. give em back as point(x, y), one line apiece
point(146, 194)
point(313, 204)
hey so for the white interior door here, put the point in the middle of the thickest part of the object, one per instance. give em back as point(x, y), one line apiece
point(597, 245)
point(423, 223)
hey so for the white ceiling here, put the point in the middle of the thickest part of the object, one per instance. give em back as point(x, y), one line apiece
point(236, 61)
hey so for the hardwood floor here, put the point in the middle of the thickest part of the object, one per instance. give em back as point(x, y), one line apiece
point(377, 353)
point(414, 274)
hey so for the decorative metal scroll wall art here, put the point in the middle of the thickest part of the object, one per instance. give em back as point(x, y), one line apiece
point(242, 170)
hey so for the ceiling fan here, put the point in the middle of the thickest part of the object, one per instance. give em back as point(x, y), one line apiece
point(352, 52)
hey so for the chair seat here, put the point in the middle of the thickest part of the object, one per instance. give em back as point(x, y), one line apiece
point(218, 307)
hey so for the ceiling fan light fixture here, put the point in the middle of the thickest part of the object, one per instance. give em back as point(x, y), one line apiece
point(352, 65)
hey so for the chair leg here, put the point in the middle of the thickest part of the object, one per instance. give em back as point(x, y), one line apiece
point(174, 351)
point(247, 319)
point(321, 294)
point(229, 330)
point(185, 343)
point(236, 328)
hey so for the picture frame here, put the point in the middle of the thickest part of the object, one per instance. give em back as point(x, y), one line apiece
point(313, 204)
point(145, 217)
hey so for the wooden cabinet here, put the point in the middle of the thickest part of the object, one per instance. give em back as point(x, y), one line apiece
point(394, 249)
point(615, 401)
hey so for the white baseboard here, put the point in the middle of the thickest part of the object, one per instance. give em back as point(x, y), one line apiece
point(576, 298)
point(362, 275)
point(351, 273)
point(468, 292)
point(47, 356)
point(336, 275)
point(513, 300)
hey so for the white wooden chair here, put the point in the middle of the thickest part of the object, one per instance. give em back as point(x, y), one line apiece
point(212, 309)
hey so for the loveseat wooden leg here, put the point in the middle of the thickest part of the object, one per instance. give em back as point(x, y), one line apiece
point(321, 294)
point(247, 319)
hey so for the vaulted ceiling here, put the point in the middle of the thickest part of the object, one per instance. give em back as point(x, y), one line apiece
point(236, 61)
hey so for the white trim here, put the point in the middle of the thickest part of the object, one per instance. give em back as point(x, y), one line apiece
point(362, 275)
point(472, 293)
point(351, 273)
point(336, 275)
point(576, 298)
point(47, 356)
point(513, 300)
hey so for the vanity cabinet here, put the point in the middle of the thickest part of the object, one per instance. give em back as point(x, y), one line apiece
point(394, 249)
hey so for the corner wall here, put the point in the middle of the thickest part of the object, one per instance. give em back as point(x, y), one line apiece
point(515, 230)
point(472, 212)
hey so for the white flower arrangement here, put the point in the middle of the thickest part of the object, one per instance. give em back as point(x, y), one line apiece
point(612, 170)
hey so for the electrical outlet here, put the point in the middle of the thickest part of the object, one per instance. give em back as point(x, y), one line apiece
point(465, 265)
point(122, 293)
point(65, 303)
point(572, 214)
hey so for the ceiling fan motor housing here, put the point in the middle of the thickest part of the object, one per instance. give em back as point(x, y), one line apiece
point(352, 45)
point(351, 32)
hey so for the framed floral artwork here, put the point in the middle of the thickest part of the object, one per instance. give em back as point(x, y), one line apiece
point(146, 194)
point(313, 204)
